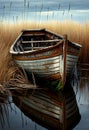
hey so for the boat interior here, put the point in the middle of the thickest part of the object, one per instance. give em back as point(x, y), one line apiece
point(35, 41)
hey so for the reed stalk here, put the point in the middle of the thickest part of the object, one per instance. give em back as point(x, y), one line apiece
point(76, 32)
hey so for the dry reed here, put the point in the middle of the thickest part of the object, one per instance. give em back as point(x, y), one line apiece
point(8, 32)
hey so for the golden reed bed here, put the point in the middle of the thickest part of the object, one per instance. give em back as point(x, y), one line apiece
point(8, 32)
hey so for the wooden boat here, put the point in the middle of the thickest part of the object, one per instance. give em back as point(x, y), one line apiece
point(45, 54)
point(49, 109)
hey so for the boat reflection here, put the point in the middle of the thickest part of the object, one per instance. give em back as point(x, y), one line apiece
point(49, 109)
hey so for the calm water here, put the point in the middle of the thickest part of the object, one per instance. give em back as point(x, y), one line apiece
point(11, 116)
point(44, 10)
point(14, 119)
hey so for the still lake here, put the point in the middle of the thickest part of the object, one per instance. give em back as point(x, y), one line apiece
point(11, 117)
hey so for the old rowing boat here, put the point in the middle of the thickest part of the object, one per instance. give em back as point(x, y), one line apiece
point(49, 109)
point(45, 54)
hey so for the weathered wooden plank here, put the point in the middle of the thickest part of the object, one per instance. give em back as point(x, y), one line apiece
point(73, 53)
point(44, 105)
point(34, 106)
point(71, 109)
point(56, 76)
point(73, 49)
point(47, 60)
point(40, 67)
point(42, 97)
point(31, 57)
point(69, 105)
point(72, 113)
point(70, 64)
point(43, 41)
point(72, 59)
point(49, 100)
point(74, 45)
point(35, 34)
point(64, 59)
point(52, 97)
point(51, 67)
point(72, 56)
point(46, 75)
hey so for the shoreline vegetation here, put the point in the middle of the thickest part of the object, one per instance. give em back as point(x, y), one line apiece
point(9, 74)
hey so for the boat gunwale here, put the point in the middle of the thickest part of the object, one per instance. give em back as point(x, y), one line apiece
point(60, 36)
point(43, 49)
point(36, 51)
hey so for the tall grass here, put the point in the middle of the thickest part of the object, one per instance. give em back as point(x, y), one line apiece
point(76, 32)
point(8, 32)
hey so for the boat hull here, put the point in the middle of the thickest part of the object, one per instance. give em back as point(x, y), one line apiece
point(53, 62)
point(48, 71)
